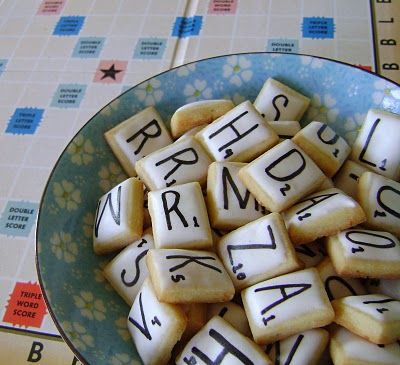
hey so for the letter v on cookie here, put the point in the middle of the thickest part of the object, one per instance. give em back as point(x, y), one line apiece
point(375, 317)
point(189, 276)
point(281, 176)
point(155, 327)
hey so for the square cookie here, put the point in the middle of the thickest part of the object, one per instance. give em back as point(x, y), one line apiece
point(258, 251)
point(347, 177)
point(338, 286)
point(155, 327)
point(239, 135)
point(302, 348)
point(277, 101)
point(198, 113)
point(380, 199)
point(180, 162)
point(136, 137)
point(283, 306)
point(375, 317)
point(322, 214)
point(220, 343)
point(281, 176)
point(119, 217)
point(127, 271)
point(229, 203)
point(346, 348)
point(179, 217)
point(326, 148)
point(363, 253)
point(189, 276)
point(377, 144)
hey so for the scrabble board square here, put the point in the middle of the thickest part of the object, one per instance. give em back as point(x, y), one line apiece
point(277, 101)
point(258, 251)
point(179, 217)
point(138, 136)
point(287, 304)
point(239, 135)
point(119, 217)
point(189, 276)
point(281, 176)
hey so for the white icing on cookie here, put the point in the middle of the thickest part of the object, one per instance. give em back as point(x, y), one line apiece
point(377, 143)
point(136, 137)
point(239, 135)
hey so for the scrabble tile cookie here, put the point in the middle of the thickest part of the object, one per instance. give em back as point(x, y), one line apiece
point(389, 287)
point(377, 144)
point(136, 137)
point(288, 304)
point(375, 317)
point(119, 217)
point(239, 135)
point(178, 163)
point(322, 214)
point(311, 254)
point(326, 148)
point(285, 128)
point(365, 253)
point(197, 113)
point(155, 327)
point(258, 251)
point(229, 203)
point(277, 101)
point(347, 348)
point(189, 276)
point(302, 348)
point(347, 177)
point(338, 286)
point(380, 199)
point(220, 343)
point(231, 312)
point(127, 271)
point(281, 176)
point(179, 217)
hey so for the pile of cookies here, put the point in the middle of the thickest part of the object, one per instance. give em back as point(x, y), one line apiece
point(245, 239)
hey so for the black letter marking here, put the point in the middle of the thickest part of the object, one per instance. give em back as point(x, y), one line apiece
point(189, 259)
point(282, 158)
point(291, 353)
point(388, 209)
point(173, 208)
point(249, 246)
point(380, 310)
point(238, 135)
point(145, 134)
point(228, 348)
point(285, 104)
point(179, 162)
point(357, 242)
point(226, 177)
point(144, 329)
point(315, 200)
point(137, 274)
point(115, 215)
point(340, 280)
point(285, 296)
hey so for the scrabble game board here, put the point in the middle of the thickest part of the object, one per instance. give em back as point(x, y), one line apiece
point(62, 60)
